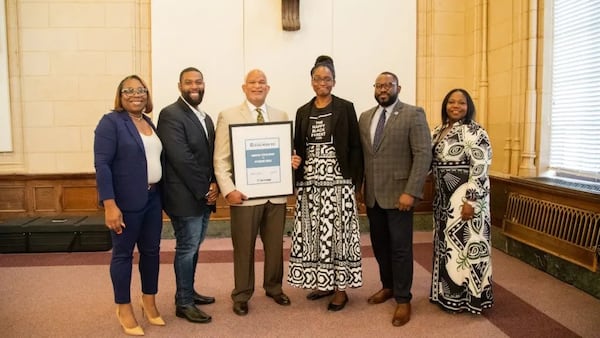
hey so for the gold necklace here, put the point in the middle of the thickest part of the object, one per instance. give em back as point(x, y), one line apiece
point(135, 117)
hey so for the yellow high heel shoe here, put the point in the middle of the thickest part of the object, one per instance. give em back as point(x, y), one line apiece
point(134, 331)
point(154, 321)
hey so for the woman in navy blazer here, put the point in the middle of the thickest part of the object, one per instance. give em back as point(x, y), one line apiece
point(127, 158)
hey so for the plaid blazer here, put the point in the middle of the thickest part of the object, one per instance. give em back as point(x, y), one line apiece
point(402, 161)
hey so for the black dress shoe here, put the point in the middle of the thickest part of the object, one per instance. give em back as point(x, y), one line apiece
point(202, 300)
point(319, 294)
point(240, 308)
point(337, 307)
point(280, 299)
point(192, 313)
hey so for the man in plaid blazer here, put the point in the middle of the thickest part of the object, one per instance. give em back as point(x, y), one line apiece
point(396, 144)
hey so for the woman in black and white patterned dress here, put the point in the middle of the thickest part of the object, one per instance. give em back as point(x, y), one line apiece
point(462, 264)
point(325, 254)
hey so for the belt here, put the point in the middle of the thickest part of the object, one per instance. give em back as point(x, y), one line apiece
point(152, 187)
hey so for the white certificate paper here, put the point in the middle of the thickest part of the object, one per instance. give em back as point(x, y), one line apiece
point(261, 156)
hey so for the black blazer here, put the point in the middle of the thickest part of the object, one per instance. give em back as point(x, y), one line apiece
point(189, 151)
point(346, 138)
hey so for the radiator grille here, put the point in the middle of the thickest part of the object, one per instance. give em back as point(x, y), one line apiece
point(558, 226)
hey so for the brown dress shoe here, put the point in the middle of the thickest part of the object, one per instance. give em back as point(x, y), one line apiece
point(381, 296)
point(402, 314)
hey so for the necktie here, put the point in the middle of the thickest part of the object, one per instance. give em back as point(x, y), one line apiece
point(259, 118)
point(379, 130)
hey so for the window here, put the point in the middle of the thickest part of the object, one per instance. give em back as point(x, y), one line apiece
point(575, 110)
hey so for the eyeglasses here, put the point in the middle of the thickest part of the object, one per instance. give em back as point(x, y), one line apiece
point(384, 86)
point(317, 79)
point(134, 91)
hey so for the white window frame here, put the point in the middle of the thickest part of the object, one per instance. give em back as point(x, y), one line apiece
point(547, 166)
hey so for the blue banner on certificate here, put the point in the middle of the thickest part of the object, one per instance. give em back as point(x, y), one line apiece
point(261, 155)
point(262, 161)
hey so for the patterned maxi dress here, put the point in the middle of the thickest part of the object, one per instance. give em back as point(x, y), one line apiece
point(325, 253)
point(462, 266)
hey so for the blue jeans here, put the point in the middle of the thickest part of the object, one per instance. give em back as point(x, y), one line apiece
point(189, 234)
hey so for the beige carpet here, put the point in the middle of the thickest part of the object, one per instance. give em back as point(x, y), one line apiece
point(70, 295)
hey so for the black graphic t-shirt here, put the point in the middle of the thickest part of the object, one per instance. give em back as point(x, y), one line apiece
point(320, 126)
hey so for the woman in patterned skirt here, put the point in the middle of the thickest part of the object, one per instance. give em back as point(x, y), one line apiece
point(325, 254)
point(462, 266)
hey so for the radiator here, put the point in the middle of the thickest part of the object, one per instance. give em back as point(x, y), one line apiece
point(567, 232)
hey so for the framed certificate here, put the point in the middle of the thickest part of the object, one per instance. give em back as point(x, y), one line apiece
point(261, 156)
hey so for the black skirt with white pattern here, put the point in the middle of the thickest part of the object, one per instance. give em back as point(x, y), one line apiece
point(325, 253)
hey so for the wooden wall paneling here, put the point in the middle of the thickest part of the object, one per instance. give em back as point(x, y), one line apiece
point(45, 197)
point(558, 220)
point(425, 205)
point(79, 198)
point(13, 197)
point(48, 195)
point(498, 199)
point(560, 195)
point(75, 194)
point(222, 209)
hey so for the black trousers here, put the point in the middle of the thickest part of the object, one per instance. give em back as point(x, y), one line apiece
point(392, 240)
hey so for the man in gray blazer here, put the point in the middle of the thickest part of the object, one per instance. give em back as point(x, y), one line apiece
point(257, 216)
point(396, 145)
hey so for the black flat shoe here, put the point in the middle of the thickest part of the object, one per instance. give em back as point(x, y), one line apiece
point(319, 294)
point(192, 313)
point(337, 307)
